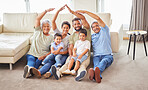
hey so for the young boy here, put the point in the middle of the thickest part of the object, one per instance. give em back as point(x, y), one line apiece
point(80, 52)
point(56, 47)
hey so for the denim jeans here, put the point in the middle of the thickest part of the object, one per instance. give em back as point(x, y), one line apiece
point(53, 57)
point(84, 57)
point(33, 61)
point(102, 61)
point(48, 65)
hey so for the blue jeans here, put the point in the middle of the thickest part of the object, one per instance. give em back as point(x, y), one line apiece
point(33, 61)
point(102, 61)
point(84, 57)
point(48, 65)
point(52, 57)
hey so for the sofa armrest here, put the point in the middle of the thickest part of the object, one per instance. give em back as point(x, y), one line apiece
point(116, 39)
point(120, 31)
point(30, 40)
point(1, 28)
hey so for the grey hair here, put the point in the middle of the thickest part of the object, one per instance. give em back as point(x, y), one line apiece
point(45, 21)
point(94, 22)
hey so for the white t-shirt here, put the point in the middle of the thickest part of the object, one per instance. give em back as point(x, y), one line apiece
point(40, 43)
point(64, 40)
point(81, 46)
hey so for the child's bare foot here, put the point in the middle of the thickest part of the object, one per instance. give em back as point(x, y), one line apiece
point(91, 73)
point(47, 75)
point(97, 75)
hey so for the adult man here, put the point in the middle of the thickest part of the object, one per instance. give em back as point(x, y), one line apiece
point(101, 44)
point(77, 25)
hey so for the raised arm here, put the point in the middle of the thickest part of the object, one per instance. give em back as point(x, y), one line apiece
point(37, 22)
point(54, 26)
point(83, 20)
point(99, 20)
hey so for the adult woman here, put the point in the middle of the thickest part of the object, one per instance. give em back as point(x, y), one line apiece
point(40, 44)
point(65, 36)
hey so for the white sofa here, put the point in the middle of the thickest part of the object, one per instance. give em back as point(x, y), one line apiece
point(17, 30)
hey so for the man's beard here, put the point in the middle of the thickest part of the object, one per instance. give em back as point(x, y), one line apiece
point(78, 29)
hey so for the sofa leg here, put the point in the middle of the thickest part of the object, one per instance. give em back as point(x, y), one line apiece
point(10, 66)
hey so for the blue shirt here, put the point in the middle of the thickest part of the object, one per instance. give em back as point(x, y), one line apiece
point(101, 42)
point(57, 46)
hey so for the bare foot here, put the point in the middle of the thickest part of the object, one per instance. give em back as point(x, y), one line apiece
point(91, 73)
point(97, 75)
point(47, 75)
point(36, 72)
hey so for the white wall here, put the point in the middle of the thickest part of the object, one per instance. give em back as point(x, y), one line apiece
point(89, 5)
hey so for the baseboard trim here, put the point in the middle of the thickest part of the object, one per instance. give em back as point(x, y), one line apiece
point(125, 38)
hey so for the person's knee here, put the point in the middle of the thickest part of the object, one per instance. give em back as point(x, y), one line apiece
point(57, 58)
point(78, 62)
point(107, 61)
point(30, 59)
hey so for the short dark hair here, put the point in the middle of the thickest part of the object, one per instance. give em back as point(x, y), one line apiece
point(57, 34)
point(76, 19)
point(67, 23)
point(83, 31)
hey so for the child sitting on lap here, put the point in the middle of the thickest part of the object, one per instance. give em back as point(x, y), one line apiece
point(56, 47)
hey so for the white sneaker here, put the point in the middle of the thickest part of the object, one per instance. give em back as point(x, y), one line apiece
point(26, 71)
point(81, 75)
point(66, 72)
point(73, 72)
point(56, 73)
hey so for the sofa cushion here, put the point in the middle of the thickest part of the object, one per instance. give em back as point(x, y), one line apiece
point(12, 43)
point(19, 22)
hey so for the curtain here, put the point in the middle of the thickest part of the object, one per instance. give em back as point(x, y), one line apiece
point(139, 17)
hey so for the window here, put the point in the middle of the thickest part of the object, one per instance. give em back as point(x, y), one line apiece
point(40, 5)
point(23, 6)
point(100, 5)
point(120, 11)
point(11, 6)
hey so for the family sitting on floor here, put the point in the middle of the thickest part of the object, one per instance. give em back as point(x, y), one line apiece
point(66, 49)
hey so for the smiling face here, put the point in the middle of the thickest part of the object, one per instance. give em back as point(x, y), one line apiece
point(77, 25)
point(95, 27)
point(65, 29)
point(58, 40)
point(46, 28)
point(82, 36)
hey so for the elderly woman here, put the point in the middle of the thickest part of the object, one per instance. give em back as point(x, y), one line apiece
point(40, 44)
point(65, 39)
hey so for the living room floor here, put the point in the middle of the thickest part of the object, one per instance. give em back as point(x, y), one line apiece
point(123, 74)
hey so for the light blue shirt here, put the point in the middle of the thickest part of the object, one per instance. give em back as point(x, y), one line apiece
point(57, 46)
point(101, 42)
